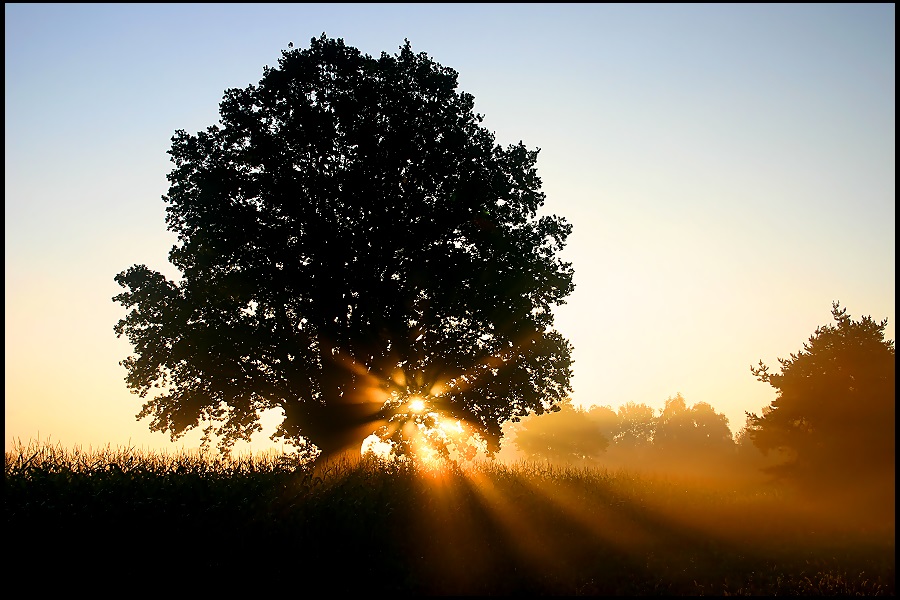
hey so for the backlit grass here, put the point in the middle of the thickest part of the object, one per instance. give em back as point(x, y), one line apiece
point(118, 517)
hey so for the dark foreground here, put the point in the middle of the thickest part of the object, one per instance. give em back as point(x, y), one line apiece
point(127, 525)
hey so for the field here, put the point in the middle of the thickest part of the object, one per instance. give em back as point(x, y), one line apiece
point(263, 524)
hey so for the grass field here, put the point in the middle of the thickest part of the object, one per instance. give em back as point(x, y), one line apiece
point(263, 524)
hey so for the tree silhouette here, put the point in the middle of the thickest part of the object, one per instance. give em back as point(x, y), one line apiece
point(637, 423)
point(834, 409)
point(606, 419)
point(674, 426)
point(692, 430)
point(569, 435)
point(350, 240)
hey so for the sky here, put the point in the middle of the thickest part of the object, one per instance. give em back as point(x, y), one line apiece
point(728, 171)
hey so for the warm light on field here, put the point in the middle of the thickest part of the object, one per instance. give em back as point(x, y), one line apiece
point(480, 530)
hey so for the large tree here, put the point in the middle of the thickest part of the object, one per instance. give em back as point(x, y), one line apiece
point(835, 405)
point(352, 244)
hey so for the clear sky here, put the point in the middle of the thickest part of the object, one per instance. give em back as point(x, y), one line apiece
point(728, 170)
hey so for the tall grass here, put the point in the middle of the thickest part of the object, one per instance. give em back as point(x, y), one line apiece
point(112, 517)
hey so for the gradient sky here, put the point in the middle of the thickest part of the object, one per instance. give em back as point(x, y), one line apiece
point(728, 170)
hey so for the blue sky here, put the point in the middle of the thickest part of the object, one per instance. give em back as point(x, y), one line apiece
point(728, 170)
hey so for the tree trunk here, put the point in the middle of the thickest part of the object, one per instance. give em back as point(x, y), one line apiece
point(340, 433)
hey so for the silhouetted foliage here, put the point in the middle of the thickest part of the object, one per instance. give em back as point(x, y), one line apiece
point(349, 236)
point(694, 430)
point(834, 407)
point(636, 425)
point(606, 419)
point(684, 440)
point(570, 435)
point(482, 529)
point(575, 435)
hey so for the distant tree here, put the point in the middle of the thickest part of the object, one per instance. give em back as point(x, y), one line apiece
point(350, 240)
point(695, 430)
point(637, 423)
point(835, 403)
point(569, 435)
point(711, 428)
point(674, 426)
point(606, 419)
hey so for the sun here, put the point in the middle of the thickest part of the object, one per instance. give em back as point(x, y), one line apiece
point(376, 446)
point(416, 405)
point(419, 429)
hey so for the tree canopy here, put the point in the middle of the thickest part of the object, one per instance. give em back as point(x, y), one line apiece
point(351, 240)
point(637, 423)
point(635, 436)
point(691, 430)
point(835, 404)
point(570, 435)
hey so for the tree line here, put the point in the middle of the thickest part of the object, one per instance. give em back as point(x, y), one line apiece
point(635, 432)
point(830, 425)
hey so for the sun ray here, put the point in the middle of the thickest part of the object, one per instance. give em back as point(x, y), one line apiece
point(507, 508)
point(424, 394)
point(606, 516)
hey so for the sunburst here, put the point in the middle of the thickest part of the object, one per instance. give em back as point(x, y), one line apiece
point(417, 416)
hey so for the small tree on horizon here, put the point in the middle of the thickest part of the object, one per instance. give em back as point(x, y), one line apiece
point(356, 251)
